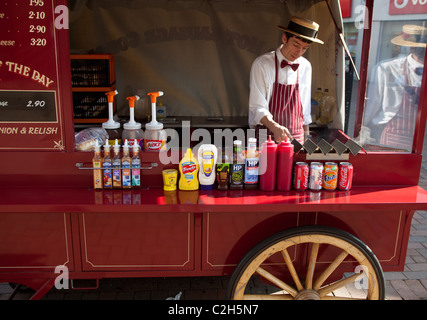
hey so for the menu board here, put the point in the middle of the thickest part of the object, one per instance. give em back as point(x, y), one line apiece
point(30, 112)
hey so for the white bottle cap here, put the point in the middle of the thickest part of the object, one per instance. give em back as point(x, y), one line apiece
point(132, 125)
point(111, 125)
point(106, 145)
point(135, 145)
point(154, 125)
point(126, 146)
point(116, 146)
point(96, 146)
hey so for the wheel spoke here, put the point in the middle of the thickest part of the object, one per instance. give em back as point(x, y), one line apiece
point(340, 298)
point(329, 270)
point(276, 281)
point(316, 281)
point(338, 284)
point(268, 297)
point(311, 266)
point(291, 269)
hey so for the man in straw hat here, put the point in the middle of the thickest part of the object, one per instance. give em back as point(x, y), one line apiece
point(394, 91)
point(280, 84)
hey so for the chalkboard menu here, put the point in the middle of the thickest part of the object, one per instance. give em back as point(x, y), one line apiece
point(31, 116)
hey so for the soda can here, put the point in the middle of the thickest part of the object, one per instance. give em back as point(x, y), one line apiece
point(316, 176)
point(330, 176)
point(301, 173)
point(345, 176)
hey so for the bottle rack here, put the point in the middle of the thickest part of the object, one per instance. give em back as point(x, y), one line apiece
point(86, 166)
point(92, 75)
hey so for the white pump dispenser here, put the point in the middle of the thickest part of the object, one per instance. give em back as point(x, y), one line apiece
point(111, 124)
point(155, 136)
point(112, 127)
point(154, 125)
point(132, 124)
point(132, 129)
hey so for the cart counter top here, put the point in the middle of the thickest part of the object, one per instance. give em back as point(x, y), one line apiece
point(157, 200)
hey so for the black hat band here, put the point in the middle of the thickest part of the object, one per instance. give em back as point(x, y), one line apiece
point(302, 30)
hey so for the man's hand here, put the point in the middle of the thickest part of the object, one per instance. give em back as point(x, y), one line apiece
point(279, 132)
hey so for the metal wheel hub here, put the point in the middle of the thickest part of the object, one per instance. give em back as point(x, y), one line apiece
point(307, 295)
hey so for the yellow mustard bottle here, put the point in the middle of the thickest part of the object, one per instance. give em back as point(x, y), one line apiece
point(188, 168)
point(97, 165)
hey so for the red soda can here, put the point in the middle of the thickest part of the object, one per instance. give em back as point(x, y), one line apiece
point(301, 175)
point(345, 176)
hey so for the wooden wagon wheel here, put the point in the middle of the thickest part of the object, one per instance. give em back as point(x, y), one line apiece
point(308, 285)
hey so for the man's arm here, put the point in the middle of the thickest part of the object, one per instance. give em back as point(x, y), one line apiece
point(279, 132)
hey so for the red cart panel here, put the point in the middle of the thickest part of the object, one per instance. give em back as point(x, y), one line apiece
point(137, 241)
point(228, 235)
point(35, 241)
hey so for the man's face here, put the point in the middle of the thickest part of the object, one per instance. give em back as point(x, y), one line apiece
point(293, 48)
point(420, 54)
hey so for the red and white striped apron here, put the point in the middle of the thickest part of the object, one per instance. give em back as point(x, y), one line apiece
point(399, 131)
point(286, 107)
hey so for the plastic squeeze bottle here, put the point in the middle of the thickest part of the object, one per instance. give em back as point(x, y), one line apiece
point(268, 161)
point(136, 167)
point(106, 166)
point(132, 129)
point(188, 168)
point(97, 165)
point(112, 127)
point(126, 163)
point(207, 158)
point(116, 164)
point(251, 165)
point(161, 110)
point(285, 155)
point(155, 136)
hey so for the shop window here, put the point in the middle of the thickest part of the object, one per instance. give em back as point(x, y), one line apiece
point(393, 90)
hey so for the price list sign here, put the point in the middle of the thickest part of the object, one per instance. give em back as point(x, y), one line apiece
point(30, 115)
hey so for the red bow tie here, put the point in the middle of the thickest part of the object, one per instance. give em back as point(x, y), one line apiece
point(285, 63)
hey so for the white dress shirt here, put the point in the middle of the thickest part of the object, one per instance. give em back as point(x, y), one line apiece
point(262, 78)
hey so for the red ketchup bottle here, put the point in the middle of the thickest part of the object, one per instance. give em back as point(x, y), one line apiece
point(267, 170)
point(285, 154)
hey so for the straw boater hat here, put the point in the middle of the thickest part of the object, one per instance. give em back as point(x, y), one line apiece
point(303, 28)
point(412, 36)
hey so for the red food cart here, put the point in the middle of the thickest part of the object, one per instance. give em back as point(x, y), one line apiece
point(54, 225)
